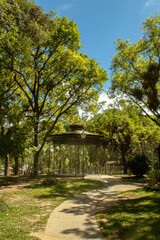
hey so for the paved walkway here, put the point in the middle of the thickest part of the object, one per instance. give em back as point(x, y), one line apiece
point(75, 219)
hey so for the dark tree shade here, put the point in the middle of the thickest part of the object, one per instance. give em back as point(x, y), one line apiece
point(139, 164)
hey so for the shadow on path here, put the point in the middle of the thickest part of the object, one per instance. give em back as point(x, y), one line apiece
point(74, 219)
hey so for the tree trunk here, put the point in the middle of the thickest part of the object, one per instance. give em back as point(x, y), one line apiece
point(124, 162)
point(125, 169)
point(36, 155)
point(59, 165)
point(6, 165)
point(16, 170)
point(36, 158)
point(158, 151)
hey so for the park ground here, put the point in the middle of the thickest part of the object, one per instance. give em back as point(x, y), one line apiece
point(30, 204)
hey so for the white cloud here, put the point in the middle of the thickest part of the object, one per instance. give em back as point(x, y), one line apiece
point(149, 2)
point(65, 6)
point(109, 102)
point(104, 98)
point(152, 3)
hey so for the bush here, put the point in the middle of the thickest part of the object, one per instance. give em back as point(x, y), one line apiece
point(3, 204)
point(154, 177)
point(139, 165)
point(152, 188)
point(49, 182)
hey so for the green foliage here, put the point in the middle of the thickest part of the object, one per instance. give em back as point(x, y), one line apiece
point(136, 68)
point(127, 130)
point(154, 176)
point(3, 204)
point(40, 54)
point(152, 188)
point(48, 182)
point(139, 164)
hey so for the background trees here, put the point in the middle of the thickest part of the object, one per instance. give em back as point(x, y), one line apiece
point(44, 79)
point(41, 53)
point(128, 131)
point(136, 69)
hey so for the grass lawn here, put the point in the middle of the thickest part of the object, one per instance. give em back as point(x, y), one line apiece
point(133, 219)
point(30, 206)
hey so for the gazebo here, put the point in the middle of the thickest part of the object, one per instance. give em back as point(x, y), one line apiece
point(77, 136)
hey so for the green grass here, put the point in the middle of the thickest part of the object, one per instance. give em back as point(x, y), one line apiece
point(30, 207)
point(133, 219)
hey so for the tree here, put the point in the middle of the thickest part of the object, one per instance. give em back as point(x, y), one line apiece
point(127, 130)
point(12, 143)
point(115, 126)
point(41, 51)
point(136, 69)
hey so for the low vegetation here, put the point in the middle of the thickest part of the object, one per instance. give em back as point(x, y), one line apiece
point(29, 207)
point(139, 164)
point(132, 219)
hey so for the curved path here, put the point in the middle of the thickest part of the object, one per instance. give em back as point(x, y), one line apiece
point(75, 219)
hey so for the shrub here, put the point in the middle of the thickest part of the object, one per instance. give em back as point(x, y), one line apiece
point(49, 182)
point(152, 188)
point(154, 177)
point(139, 164)
point(3, 204)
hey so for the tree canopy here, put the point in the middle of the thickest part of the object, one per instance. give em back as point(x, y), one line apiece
point(127, 129)
point(136, 69)
point(40, 53)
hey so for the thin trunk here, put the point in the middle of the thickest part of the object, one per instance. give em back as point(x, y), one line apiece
point(6, 165)
point(36, 155)
point(124, 162)
point(16, 170)
point(105, 168)
point(158, 151)
point(36, 158)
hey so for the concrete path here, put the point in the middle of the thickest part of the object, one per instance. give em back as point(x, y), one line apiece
point(74, 219)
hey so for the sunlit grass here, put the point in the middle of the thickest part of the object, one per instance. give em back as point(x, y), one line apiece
point(29, 208)
point(133, 219)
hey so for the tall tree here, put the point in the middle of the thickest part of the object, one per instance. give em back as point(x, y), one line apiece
point(42, 53)
point(136, 69)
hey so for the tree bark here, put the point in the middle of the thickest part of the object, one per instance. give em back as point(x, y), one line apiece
point(16, 170)
point(158, 151)
point(6, 165)
point(124, 162)
point(125, 169)
point(36, 158)
point(36, 155)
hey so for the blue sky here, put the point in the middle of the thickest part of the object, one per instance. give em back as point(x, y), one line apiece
point(100, 22)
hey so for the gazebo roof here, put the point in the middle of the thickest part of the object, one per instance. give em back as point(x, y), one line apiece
point(77, 136)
